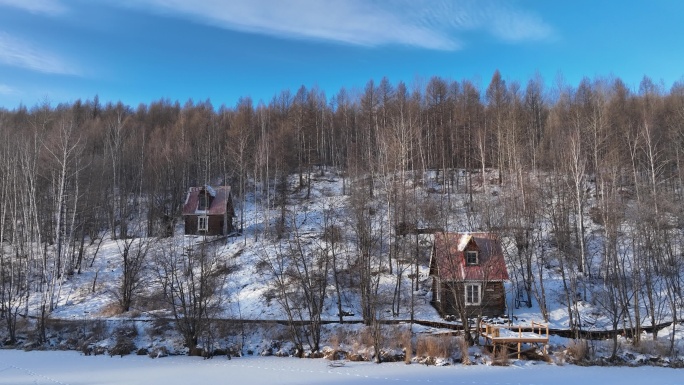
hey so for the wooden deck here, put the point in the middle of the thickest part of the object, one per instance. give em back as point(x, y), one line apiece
point(499, 335)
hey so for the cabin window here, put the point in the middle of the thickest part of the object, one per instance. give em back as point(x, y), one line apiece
point(202, 223)
point(203, 201)
point(471, 258)
point(473, 294)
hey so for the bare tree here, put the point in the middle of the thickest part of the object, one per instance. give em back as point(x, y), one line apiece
point(333, 239)
point(15, 264)
point(192, 279)
point(133, 254)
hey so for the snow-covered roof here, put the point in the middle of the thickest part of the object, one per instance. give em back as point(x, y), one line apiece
point(463, 242)
point(210, 190)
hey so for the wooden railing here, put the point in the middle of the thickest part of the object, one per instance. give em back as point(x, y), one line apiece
point(493, 337)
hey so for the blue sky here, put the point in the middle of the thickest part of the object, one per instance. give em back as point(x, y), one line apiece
point(138, 51)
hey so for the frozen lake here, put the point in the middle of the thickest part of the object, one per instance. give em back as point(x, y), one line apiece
point(21, 368)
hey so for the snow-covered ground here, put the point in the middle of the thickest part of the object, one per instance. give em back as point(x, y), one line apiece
point(64, 367)
point(92, 294)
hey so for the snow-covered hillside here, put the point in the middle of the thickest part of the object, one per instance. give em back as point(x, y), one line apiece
point(262, 277)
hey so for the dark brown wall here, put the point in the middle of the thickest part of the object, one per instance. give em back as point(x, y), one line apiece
point(190, 225)
point(493, 300)
point(215, 225)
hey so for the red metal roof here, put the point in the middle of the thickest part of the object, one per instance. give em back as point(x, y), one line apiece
point(218, 197)
point(448, 257)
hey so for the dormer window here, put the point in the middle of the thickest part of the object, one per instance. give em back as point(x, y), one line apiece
point(471, 258)
point(203, 201)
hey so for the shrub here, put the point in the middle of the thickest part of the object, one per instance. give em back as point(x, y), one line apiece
point(86, 349)
point(158, 328)
point(124, 346)
point(157, 352)
point(578, 350)
point(97, 329)
point(126, 330)
point(124, 340)
point(559, 358)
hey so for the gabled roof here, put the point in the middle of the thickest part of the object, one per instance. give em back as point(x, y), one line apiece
point(218, 197)
point(448, 257)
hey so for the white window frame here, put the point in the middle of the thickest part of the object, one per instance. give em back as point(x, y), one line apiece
point(438, 289)
point(468, 287)
point(477, 257)
point(202, 223)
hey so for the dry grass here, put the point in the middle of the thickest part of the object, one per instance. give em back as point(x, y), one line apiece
point(500, 357)
point(60, 326)
point(463, 347)
point(397, 336)
point(151, 300)
point(655, 348)
point(111, 309)
point(406, 341)
point(364, 343)
point(339, 338)
point(361, 342)
point(578, 350)
point(335, 341)
point(436, 346)
point(365, 336)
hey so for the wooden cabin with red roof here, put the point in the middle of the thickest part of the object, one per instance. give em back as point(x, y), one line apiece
point(208, 211)
point(468, 271)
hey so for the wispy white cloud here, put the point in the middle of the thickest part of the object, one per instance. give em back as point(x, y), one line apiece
point(7, 90)
point(507, 23)
point(494, 17)
point(18, 53)
point(431, 24)
point(50, 7)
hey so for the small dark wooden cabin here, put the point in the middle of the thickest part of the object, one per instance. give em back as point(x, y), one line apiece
point(208, 211)
point(468, 271)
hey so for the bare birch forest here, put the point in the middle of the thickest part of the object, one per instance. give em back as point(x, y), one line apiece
point(565, 156)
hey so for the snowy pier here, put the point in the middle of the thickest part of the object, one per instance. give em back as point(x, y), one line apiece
point(498, 335)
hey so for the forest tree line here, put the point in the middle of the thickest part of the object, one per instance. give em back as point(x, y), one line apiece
point(565, 156)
